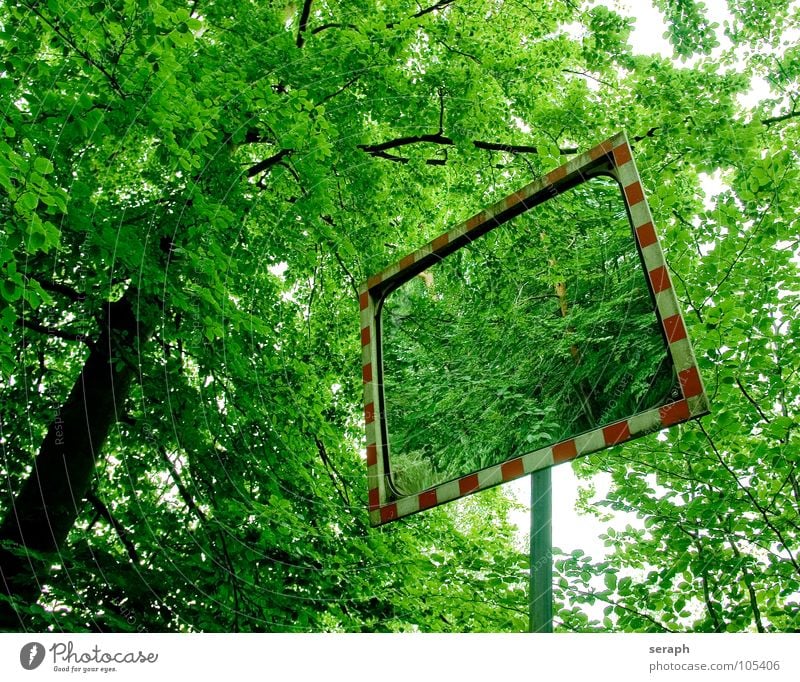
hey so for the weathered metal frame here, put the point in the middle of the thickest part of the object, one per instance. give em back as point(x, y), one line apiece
point(611, 158)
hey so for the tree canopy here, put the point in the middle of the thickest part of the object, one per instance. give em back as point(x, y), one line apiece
point(191, 193)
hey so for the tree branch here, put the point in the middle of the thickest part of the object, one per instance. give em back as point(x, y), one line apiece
point(303, 22)
point(596, 595)
point(252, 136)
point(293, 173)
point(786, 481)
point(350, 277)
point(588, 75)
point(86, 56)
point(380, 150)
point(779, 119)
point(753, 500)
point(439, 5)
point(752, 402)
point(122, 534)
point(63, 289)
point(712, 611)
point(232, 579)
point(439, 138)
point(340, 90)
point(182, 490)
point(331, 470)
point(561, 623)
point(740, 253)
point(333, 24)
point(353, 282)
point(748, 581)
point(441, 111)
point(686, 291)
point(455, 51)
point(649, 133)
point(517, 148)
point(403, 159)
point(689, 227)
point(51, 331)
point(266, 164)
point(436, 138)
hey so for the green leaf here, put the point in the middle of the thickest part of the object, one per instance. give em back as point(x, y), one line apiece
point(11, 291)
point(28, 201)
point(42, 165)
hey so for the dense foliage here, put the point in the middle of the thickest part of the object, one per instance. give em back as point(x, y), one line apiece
point(190, 193)
point(537, 332)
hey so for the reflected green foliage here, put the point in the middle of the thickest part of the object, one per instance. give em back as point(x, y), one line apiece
point(539, 331)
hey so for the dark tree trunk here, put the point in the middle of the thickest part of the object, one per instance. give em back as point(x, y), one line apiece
point(49, 502)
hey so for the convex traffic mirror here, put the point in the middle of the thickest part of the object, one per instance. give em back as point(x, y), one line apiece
point(541, 329)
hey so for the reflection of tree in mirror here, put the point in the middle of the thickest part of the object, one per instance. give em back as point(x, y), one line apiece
point(534, 333)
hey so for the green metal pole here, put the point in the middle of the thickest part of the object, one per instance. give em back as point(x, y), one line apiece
point(540, 606)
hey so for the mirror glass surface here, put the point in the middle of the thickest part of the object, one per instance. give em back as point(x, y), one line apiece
point(536, 332)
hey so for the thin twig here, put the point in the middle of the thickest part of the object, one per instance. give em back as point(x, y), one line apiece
point(752, 402)
point(350, 277)
point(753, 500)
point(619, 605)
point(86, 56)
point(340, 90)
point(119, 529)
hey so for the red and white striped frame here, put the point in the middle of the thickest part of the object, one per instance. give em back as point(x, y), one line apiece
point(612, 157)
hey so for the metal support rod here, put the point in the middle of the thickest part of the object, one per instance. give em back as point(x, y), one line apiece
point(540, 595)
